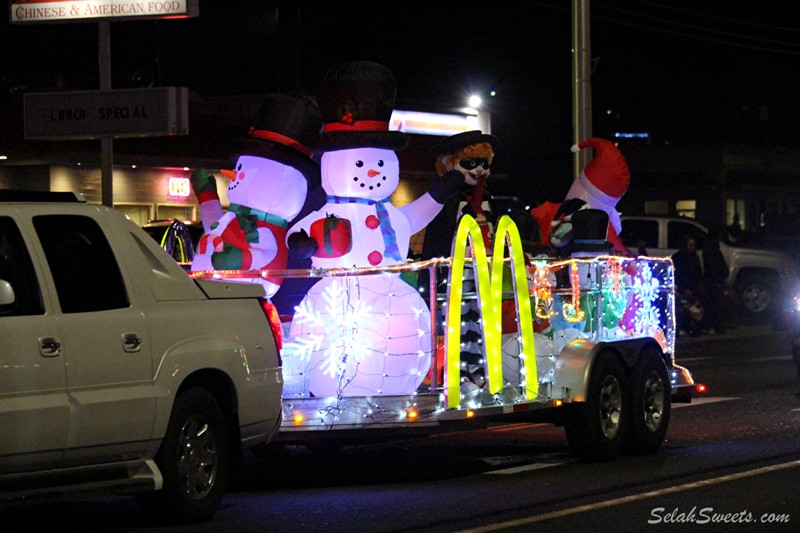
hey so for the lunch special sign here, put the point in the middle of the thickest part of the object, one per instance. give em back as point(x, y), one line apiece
point(35, 11)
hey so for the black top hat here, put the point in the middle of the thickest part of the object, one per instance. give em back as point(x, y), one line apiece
point(285, 126)
point(460, 140)
point(589, 230)
point(356, 101)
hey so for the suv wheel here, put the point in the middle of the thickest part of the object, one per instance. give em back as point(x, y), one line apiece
point(194, 459)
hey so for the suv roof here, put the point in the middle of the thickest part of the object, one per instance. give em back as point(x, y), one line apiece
point(11, 195)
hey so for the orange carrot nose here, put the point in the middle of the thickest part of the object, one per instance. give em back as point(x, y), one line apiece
point(230, 174)
point(372, 173)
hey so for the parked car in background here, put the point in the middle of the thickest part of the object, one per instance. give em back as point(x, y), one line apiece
point(759, 275)
point(119, 373)
point(178, 237)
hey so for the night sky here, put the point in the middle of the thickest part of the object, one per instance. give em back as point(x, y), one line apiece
point(711, 71)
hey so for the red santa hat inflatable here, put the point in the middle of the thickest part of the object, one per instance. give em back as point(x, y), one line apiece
point(604, 180)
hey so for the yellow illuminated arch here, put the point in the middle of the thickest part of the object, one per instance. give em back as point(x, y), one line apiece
point(489, 290)
point(507, 233)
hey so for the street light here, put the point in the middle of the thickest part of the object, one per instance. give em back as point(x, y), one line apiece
point(482, 119)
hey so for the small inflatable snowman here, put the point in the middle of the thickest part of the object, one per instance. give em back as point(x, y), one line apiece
point(600, 185)
point(367, 334)
point(267, 189)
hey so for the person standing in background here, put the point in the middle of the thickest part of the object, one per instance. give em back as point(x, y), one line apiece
point(715, 272)
point(688, 275)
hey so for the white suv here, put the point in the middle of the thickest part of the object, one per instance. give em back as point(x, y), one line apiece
point(118, 371)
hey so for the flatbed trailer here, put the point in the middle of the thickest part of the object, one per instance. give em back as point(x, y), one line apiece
point(597, 332)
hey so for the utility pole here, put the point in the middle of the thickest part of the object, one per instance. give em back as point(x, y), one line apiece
point(582, 82)
point(106, 141)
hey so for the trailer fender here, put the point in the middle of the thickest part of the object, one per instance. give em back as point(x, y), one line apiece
point(574, 363)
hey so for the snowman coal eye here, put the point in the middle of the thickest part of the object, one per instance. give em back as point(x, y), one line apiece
point(359, 164)
point(380, 163)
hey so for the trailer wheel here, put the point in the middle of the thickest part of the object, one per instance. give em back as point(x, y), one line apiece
point(650, 392)
point(195, 460)
point(596, 428)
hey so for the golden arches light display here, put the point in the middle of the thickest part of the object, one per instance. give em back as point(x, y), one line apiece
point(489, 289)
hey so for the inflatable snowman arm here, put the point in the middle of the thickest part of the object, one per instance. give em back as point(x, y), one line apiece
point(618, 248)
point(424, 209)
point(202, 181)
point(444, 187)
point(298, 240)
point(265, 249)
point(325, 235)
point(421, 212)
point(204, 186)
point(213, 240)
point(301, 244)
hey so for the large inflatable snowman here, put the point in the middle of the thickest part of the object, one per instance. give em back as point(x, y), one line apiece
point(268, 185)
point(367, 334)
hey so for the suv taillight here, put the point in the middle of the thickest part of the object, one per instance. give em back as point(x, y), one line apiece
point(271, 312)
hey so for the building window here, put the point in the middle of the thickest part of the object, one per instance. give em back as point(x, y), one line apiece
point(734, 213)
point(139, 213)
point(177, 211)
point(656, 207)
point(686, 208)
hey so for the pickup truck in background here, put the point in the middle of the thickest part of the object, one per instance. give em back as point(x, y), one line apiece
point(119, 373)
point(757, 276)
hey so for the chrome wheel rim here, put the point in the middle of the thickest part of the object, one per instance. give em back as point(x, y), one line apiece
point(610, 406)
point(197, 458)
point(756, 299)
point(654, 401)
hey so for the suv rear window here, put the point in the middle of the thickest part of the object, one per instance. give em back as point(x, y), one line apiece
point(82, 263)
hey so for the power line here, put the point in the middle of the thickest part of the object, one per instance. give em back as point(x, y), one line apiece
point(716, 17)
point(701, 28)
point(679, 27)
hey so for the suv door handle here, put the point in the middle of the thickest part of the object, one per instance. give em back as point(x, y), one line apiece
point(131, 342)
point(49, 346)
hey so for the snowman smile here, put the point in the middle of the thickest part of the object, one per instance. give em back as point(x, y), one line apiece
point(364, 185)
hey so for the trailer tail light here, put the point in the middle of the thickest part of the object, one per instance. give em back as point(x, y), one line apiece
point(271, 312)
